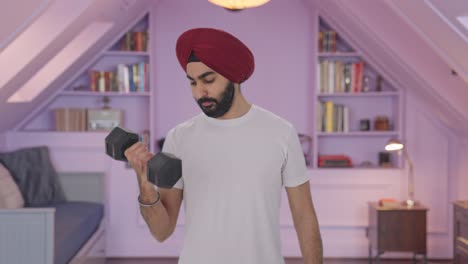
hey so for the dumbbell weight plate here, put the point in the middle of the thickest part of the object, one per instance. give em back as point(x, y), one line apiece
point(118, 141)
point(164, 170)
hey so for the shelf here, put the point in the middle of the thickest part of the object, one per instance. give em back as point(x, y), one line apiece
point(360, 94)
point(52, 138)
point(88, 93)
point(338, 54)
point(358, 134)
point(125, 53)
point(341, 67)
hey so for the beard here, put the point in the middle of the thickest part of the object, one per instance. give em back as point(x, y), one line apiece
point(218, 108)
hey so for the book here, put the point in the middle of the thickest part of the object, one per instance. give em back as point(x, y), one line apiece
point(389, 202)
point(329, 116)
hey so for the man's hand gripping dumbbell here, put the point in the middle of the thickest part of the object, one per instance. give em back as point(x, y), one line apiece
point(162, 169)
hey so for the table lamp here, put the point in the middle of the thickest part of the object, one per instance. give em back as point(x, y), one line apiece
point(396, 145)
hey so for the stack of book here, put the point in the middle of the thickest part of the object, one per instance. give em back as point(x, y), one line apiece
point(327, 41)
point(126, 78)
point(134, 41)
point(70, 119)
point(332, 117)
point(340, 77)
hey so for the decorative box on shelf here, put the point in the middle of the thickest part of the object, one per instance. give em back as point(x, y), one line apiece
point(104, 119)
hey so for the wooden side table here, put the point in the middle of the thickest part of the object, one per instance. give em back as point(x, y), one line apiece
point(399, 228)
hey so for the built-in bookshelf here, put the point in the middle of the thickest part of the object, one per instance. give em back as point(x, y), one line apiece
point(116, 81)
point(356, 109)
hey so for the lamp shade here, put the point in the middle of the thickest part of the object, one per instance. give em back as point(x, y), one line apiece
point(394, 145)
point(238, 4)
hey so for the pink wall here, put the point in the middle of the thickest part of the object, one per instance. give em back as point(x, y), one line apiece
point(279, 35)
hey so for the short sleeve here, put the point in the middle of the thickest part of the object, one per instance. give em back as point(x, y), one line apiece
point(170, 146)
point(294, 169)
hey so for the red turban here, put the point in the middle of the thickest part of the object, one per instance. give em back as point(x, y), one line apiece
point(218, 50)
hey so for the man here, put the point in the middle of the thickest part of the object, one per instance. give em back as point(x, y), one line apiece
point(235, 159)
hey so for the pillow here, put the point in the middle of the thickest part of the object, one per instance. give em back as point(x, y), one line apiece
point(35, 175)
point(10, 196)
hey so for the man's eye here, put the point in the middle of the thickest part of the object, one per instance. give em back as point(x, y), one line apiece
point(209, 81)
point(192, 83)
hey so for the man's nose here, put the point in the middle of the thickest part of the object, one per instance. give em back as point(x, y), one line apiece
point(201, 88)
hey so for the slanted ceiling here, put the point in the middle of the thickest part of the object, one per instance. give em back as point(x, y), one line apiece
point(413, 45)
point(30, 57)
point(19, 18)
point(417, 44)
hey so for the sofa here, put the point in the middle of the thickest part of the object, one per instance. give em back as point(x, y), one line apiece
point(38, 224)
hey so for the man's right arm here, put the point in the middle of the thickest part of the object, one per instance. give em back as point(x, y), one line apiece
point(161, 218)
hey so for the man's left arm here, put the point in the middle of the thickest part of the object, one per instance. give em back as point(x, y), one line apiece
point(305, 222)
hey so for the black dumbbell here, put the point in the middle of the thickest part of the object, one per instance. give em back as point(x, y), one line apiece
point(164, 169)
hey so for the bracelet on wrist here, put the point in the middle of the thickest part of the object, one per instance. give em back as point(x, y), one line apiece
point(158, 198)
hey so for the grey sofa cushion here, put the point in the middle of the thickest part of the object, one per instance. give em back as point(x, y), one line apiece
point(35, 175)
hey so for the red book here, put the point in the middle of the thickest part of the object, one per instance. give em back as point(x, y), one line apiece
point(93, 78)
point(389, 202)
point(136, 41)
point(360, 75)
point(355, 77)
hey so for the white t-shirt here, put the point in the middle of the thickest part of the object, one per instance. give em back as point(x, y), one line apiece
point(232, 174)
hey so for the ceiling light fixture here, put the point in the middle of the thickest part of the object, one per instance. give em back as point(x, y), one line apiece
point(238, 4)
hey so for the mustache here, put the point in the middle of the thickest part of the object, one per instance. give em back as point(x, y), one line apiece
point(207, 99)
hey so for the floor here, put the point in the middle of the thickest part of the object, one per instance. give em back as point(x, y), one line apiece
point(288, 261)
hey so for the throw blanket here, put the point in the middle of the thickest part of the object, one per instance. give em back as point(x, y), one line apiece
point(35, 175)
